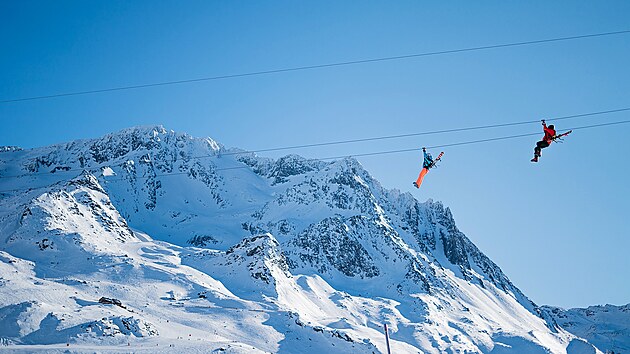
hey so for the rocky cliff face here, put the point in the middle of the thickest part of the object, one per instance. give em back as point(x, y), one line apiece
point(322, 240)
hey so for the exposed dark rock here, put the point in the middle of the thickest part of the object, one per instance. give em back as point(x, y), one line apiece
point(111, 301)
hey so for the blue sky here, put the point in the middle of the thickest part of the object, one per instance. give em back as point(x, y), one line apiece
point(558, 229)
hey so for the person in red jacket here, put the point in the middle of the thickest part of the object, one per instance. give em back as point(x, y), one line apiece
point(550, 134)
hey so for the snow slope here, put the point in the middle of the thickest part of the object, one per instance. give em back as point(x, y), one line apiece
point(208, 248)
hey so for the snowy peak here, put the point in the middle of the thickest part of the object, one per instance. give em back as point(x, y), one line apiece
point(256, 265)
point(280, 170)
point(263, 256)
point(144, 140)
point(75, 217)
point(320, 248)
point(126, 141)
point(10, 148)
point(320, 199)
point(148, 145)
point(607, 327)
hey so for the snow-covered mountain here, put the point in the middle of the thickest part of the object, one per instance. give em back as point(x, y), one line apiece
point(607, 327)
point(150, 238)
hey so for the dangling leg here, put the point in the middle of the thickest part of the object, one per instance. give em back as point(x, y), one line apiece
point(537, 150)
point(536, 153)
point(418, 182)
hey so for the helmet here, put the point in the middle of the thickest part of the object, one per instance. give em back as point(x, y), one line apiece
point(551, 126)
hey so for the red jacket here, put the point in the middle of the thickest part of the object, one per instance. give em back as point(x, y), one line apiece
point(549, 133)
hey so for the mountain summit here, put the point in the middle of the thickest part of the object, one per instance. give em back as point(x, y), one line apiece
point(151, 237)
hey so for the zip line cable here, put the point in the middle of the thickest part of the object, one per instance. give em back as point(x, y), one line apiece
point(359, 140)
point(318, 66)
point(429, 132)
point(345, 156)
point(469, 142)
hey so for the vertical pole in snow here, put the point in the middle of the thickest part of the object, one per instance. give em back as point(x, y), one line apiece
point(387, 339)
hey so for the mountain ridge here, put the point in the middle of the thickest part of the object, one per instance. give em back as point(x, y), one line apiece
point(262, 233)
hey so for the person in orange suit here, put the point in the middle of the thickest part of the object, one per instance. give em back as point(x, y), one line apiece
point(426, 165)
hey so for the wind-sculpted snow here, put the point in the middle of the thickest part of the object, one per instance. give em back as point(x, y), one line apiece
point(188, 241)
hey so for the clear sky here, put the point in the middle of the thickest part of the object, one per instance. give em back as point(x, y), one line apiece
point(558, 229)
